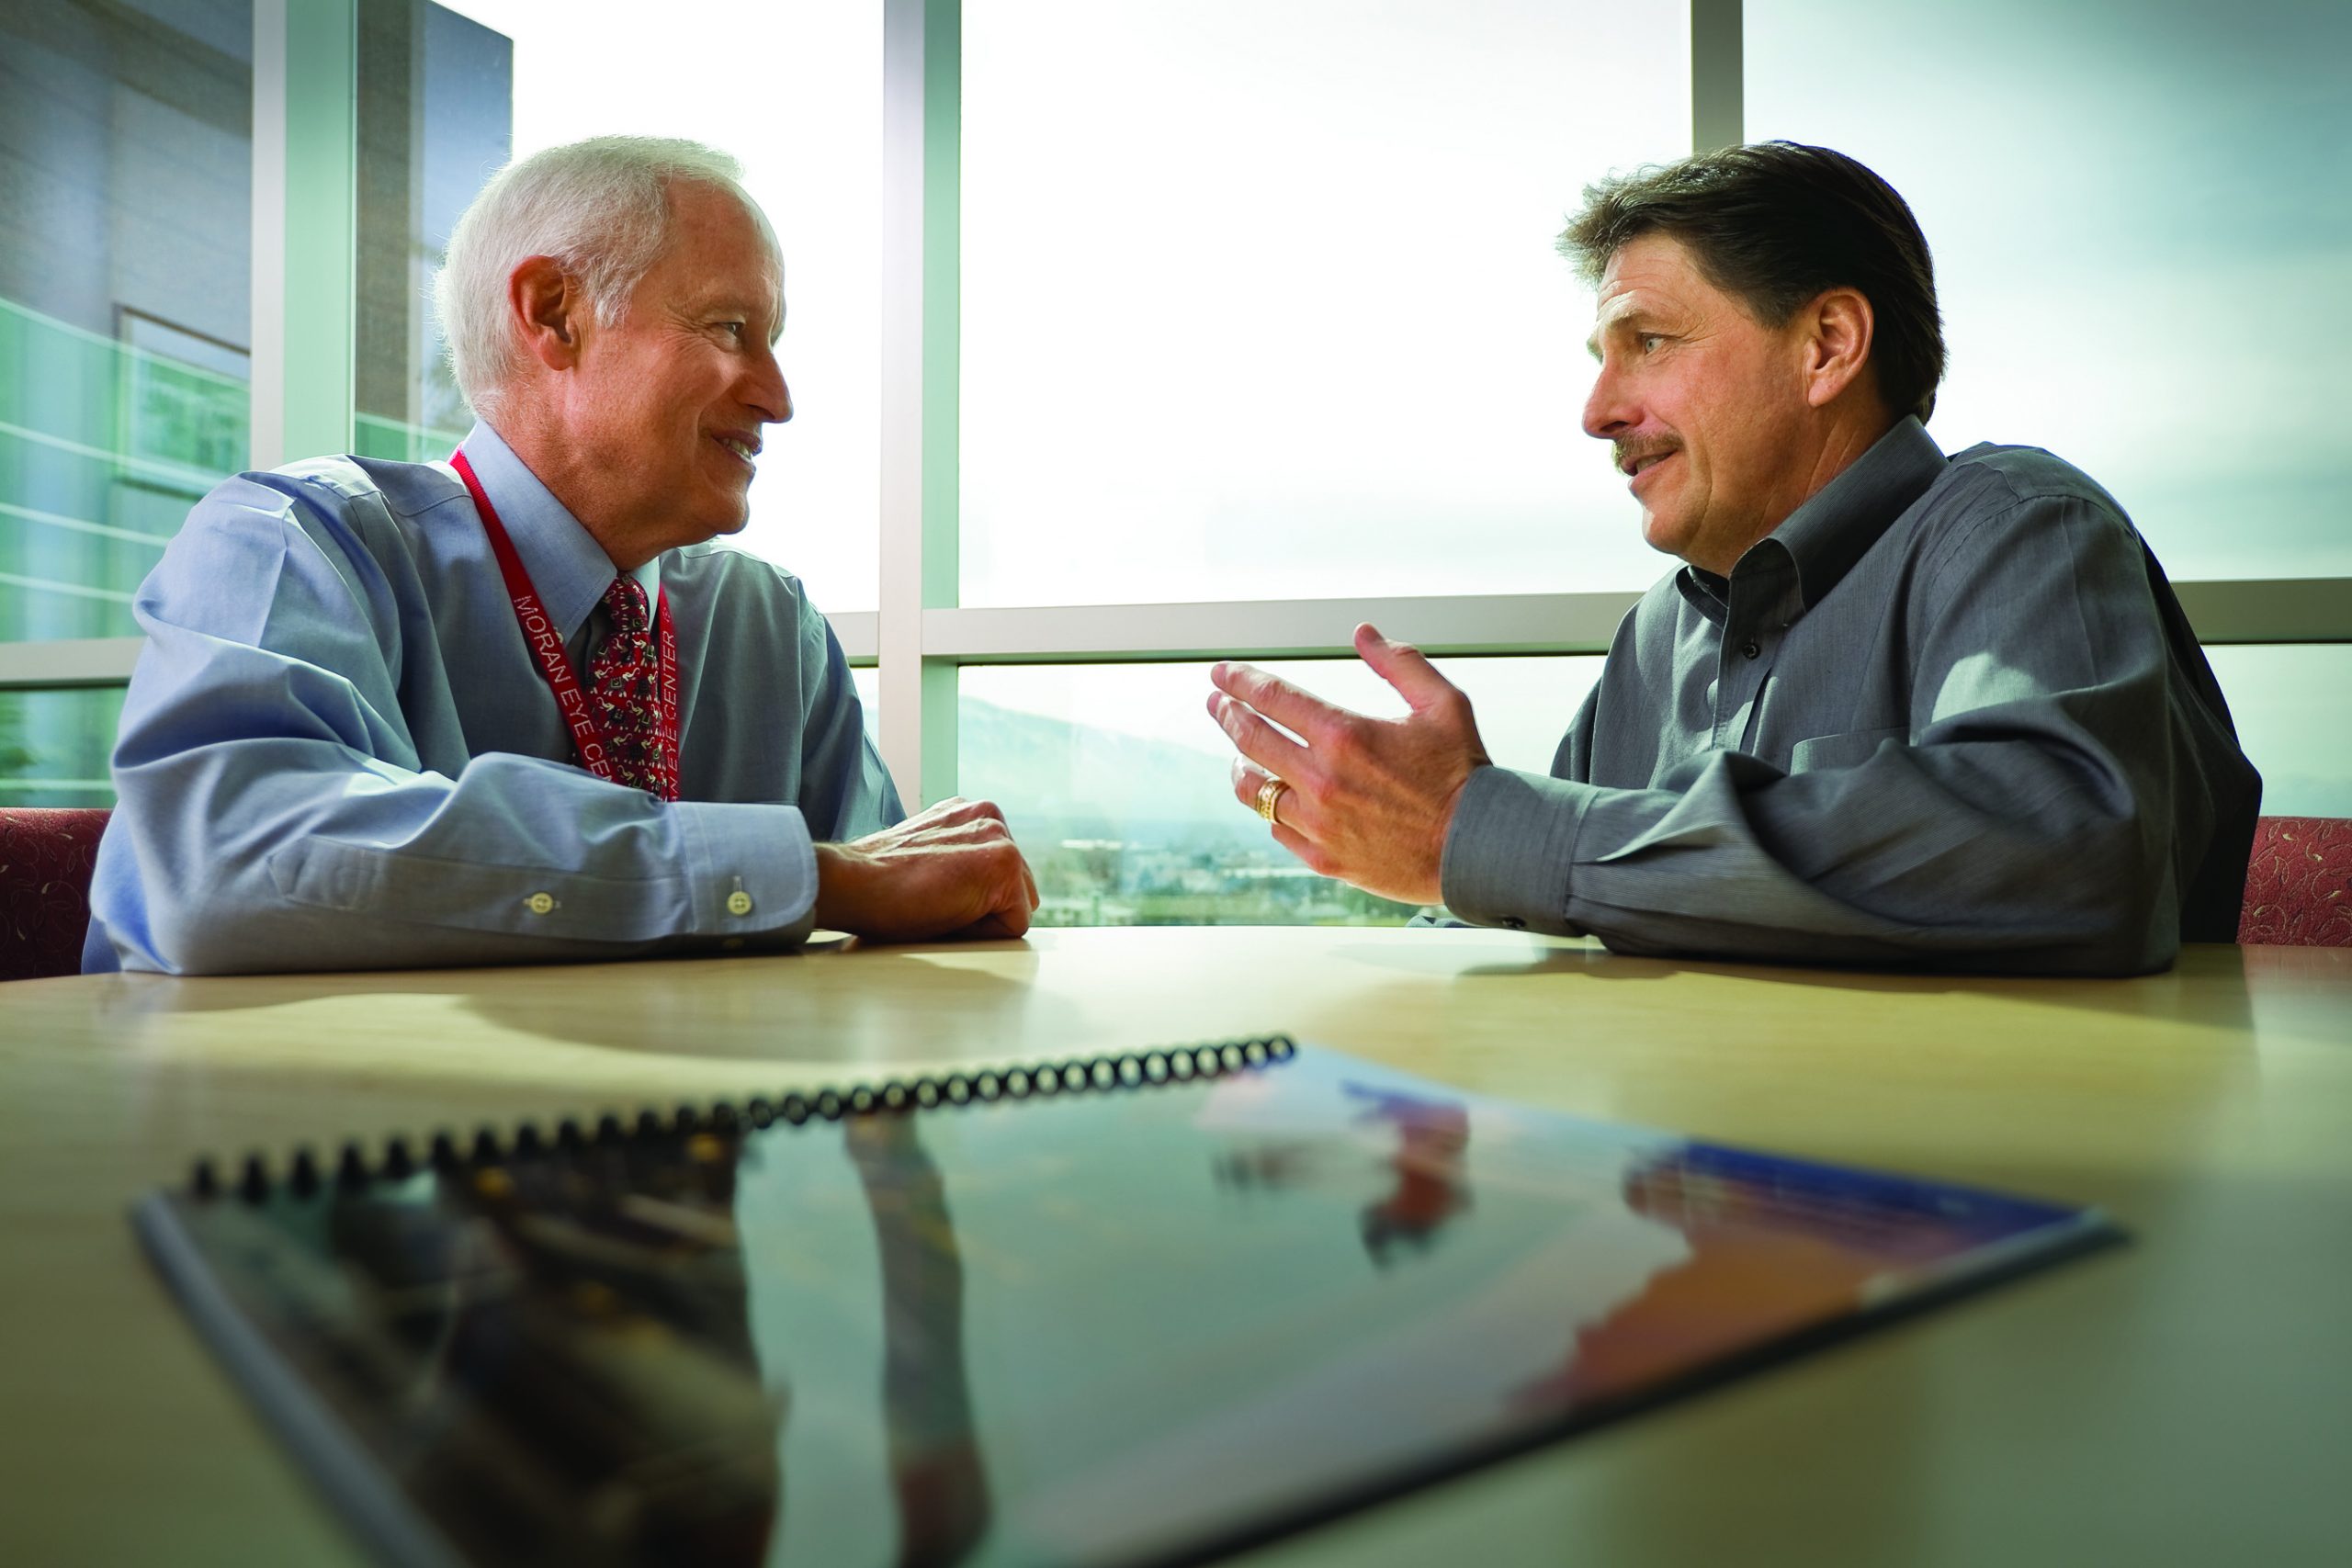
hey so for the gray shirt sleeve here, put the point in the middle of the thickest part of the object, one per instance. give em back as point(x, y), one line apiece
point(2021, 820)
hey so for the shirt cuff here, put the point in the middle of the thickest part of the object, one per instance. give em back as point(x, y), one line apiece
point(754, 872)
point(1511, 847)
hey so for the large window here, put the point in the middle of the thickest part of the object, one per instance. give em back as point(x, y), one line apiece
point(1261, 300)
point(1149, 334)
point(125, 265)
point(126, 161)
point(2141, 234)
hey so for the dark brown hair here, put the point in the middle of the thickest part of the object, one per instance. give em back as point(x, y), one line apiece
point(1774, 224)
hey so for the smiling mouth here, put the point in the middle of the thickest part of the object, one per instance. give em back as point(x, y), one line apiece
point(1637, 464)
point(745, 451)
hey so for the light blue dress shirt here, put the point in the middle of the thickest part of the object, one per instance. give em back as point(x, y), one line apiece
point(336, 752)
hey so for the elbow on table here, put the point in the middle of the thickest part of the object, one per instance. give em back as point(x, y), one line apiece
point(209, 930)
point(2105, 898)
point(174, 907)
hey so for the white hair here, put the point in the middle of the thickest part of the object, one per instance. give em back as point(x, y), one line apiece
point(600, 208)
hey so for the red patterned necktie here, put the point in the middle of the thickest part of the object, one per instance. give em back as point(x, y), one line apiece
point(624, 689)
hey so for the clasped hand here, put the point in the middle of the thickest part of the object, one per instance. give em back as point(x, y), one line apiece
point(1370, 798)
point(950, 870)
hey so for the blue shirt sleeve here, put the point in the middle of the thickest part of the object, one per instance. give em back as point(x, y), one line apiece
point(276, 813)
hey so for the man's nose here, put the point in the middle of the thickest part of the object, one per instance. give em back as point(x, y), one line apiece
point(1607, 412)
point(767, 395)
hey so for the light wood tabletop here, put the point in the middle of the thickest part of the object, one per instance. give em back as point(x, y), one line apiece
point(2186, 1399)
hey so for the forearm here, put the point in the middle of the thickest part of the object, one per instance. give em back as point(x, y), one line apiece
point(1995, 854)
point(271, 855)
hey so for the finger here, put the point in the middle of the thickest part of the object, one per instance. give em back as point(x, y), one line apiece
point(959, 841)
point(1291, 808)
point(1010, 893)
point(1305, 849)
point(1260, 742)
point(990, 928)
point(1404, 667)
point(1014, 920)
point(1017, 883)
point(1294, 707)
point(955, 809)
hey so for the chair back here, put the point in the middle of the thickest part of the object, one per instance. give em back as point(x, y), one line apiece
point(46, 858)
point(2298, 884)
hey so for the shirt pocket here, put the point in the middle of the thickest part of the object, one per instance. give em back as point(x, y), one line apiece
point(1848, 751)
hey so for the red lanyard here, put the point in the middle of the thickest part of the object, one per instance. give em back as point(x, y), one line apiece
point(547, 646)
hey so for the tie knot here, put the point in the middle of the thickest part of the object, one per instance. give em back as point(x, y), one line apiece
point(625, 599)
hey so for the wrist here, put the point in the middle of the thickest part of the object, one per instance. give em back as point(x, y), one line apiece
point(838, 866)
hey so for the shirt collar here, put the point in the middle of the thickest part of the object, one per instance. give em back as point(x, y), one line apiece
point(1829, 533)
point(568, 568)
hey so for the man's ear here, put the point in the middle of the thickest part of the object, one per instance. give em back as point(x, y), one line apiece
point(1837, 343)
point(548, 311)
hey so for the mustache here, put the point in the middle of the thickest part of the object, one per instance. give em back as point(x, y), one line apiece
point(1626, 453)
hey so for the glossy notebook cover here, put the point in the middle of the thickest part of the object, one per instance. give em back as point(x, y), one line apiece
point(1146, 1327)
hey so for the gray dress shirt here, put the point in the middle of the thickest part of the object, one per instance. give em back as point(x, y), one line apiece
point(337, 753)
point(1948, 714)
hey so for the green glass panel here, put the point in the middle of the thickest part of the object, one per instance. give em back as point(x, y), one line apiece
point(103, 448)
point(54, 744)
point(126, 137)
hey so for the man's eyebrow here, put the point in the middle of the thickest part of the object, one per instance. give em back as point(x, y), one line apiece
point(1619, 325)
point(746, 309)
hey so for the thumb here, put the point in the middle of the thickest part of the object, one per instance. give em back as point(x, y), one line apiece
point(1402, 666)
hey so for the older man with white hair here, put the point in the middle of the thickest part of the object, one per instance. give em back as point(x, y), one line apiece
point(517, 706)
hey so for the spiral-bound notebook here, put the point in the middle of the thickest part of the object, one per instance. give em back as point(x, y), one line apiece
point(1009, 1317)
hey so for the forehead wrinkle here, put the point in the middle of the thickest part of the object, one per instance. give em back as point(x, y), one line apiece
point(1620, 314)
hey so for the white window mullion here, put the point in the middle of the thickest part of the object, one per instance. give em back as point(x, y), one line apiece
point(921, 139)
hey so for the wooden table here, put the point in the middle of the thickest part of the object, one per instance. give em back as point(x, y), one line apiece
point(2187, 1399)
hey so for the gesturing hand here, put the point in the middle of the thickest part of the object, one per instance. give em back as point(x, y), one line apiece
point(1370, 798)
point(952, 870)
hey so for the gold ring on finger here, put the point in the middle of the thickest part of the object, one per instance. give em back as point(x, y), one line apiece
point(1270, 795)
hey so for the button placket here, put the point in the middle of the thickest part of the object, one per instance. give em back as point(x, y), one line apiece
point(1744, 665)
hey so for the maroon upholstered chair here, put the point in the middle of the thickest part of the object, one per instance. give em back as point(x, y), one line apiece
point(2298, 884)
point(45, 862)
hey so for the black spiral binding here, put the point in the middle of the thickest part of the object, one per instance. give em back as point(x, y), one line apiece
point(447, 1152)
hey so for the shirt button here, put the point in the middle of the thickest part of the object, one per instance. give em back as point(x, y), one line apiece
point(1748, 650)
point(539, 903)
point(738, 902)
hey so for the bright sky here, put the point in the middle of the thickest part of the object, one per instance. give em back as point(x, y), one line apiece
point(795, 92)
point(1261, 300)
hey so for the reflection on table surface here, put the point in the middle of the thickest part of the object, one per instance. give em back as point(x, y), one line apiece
point(1133, 1321)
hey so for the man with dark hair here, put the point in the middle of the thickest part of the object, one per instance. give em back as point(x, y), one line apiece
point(1895, 708)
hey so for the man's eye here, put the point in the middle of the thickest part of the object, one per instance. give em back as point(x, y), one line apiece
point(732, 328)
point(1651, 341)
